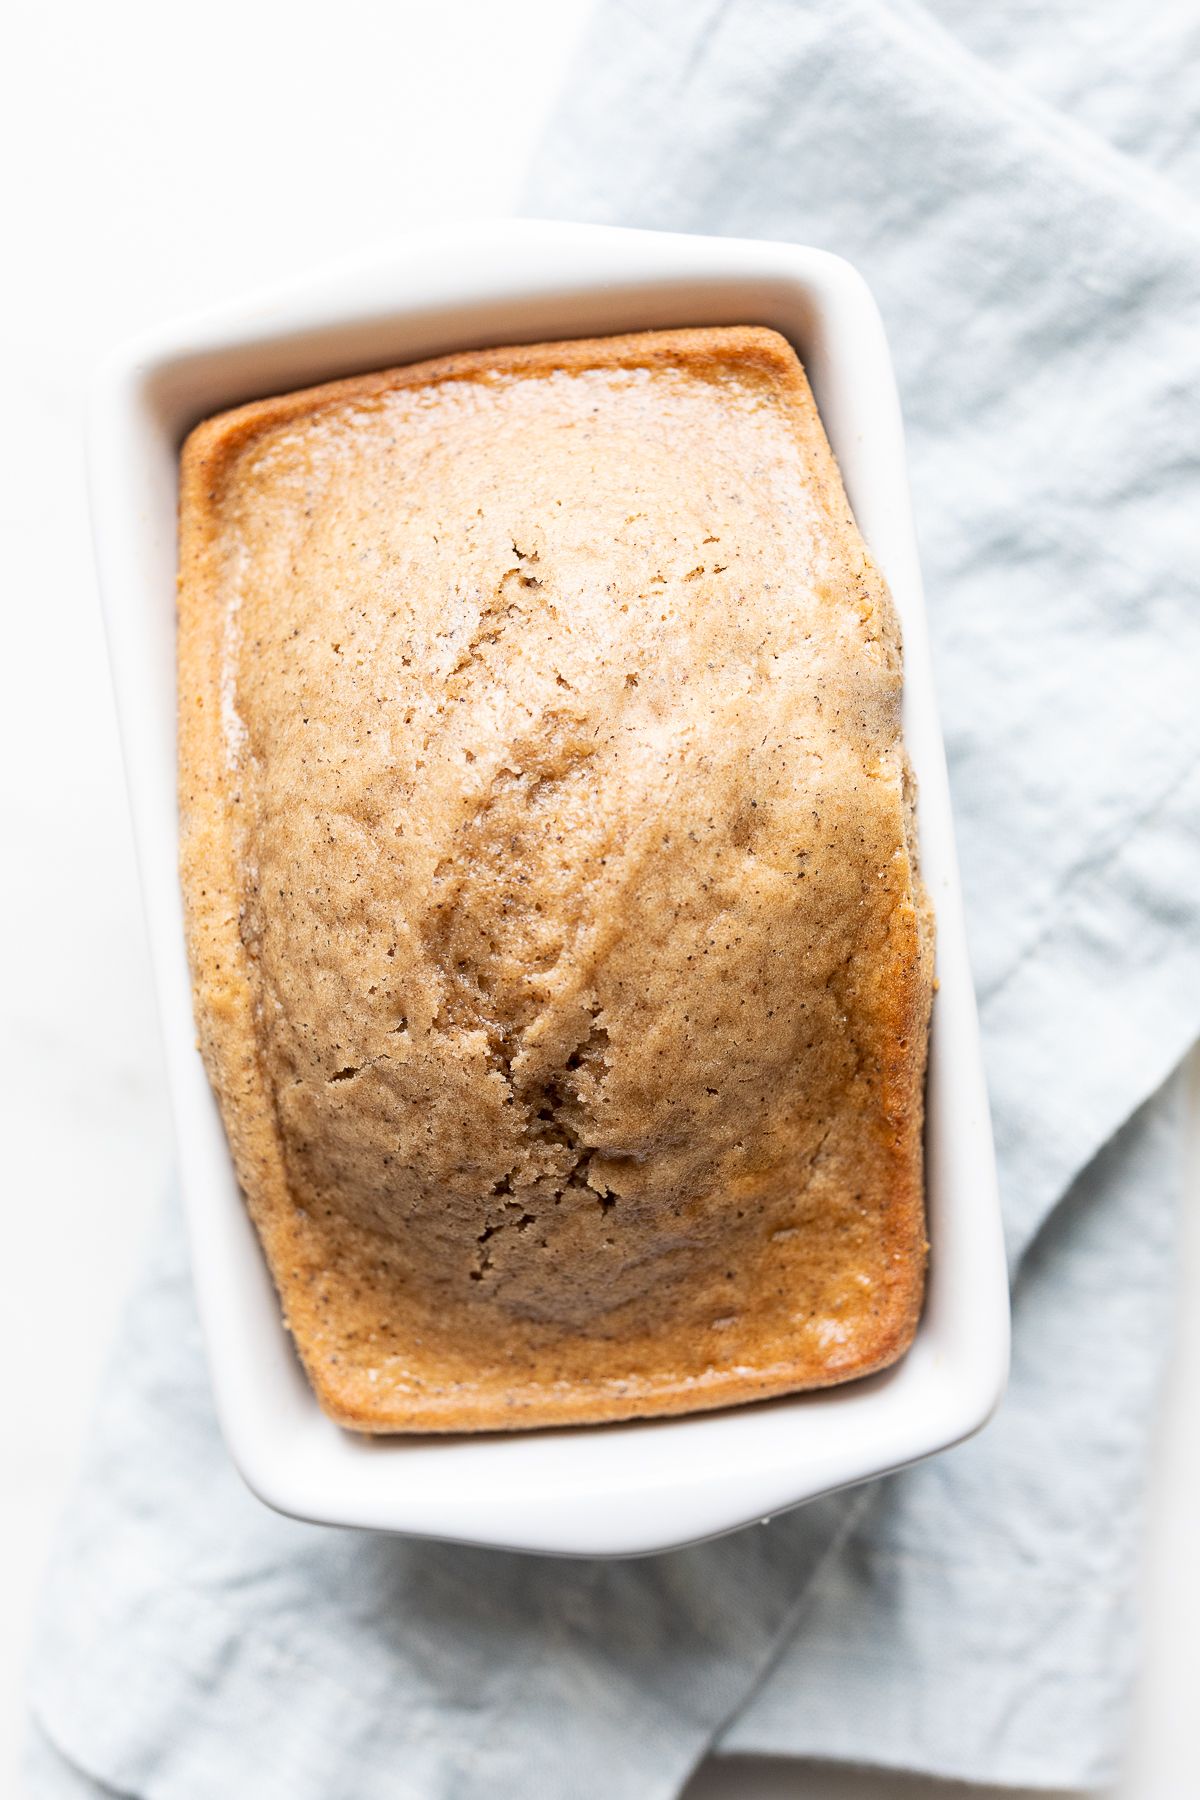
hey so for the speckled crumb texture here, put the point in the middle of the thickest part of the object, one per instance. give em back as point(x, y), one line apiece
point(561, 963)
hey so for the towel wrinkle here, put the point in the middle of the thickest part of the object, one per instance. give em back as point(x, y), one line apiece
point(1087, 869)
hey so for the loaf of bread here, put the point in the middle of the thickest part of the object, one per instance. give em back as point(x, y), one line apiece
point(561, 962)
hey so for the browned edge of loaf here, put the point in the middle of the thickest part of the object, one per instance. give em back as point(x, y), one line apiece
point(224, 998)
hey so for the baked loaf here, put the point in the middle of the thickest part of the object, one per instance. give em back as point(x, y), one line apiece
point(561, 962)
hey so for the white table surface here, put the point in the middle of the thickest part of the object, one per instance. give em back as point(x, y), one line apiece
point(159, 158)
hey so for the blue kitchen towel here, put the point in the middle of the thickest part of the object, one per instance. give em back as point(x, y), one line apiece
point(1038, 263)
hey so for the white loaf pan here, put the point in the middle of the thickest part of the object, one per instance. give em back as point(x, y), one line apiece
point(615, 1489)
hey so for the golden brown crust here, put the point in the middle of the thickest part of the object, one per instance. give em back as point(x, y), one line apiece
point(396, 1331)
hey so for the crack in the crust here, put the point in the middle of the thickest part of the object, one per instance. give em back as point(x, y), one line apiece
point(488, 848)
point(484, 1259)
point(549, 1125)
point(353, 1069)
point(553, 1126)
point(810, 1168)
point(525, 560)
point(496, 612)
point(502, 1188)
point(547, 1113)
point(815, 1154)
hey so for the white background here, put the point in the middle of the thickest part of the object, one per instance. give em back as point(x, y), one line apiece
point(157, 158)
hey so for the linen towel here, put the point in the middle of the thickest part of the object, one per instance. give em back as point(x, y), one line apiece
point(1039, 272)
